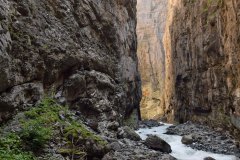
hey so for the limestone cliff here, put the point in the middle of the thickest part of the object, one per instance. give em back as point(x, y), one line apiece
point(83, 52)
point(202, 42)
point(151, 17)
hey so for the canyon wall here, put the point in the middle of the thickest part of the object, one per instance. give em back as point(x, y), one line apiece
point(81, 52)
point(151, 16)
point(202, 42)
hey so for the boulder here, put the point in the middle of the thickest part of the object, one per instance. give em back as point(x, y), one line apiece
point(187, 139)
point(113, 125)
point(209, 158)
point(115, 146)
point(156, 143)
point(168, 157)
point(150, 123)
point(94, 149)
point(129, 133)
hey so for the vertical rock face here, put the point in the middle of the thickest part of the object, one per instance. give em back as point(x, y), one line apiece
point(202, 43)
point(151, 16)
point(83, 50)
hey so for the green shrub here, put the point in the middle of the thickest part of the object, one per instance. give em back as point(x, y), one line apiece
point(10, 148)
point(38, 127)
point(76, 130)
point(35, 135)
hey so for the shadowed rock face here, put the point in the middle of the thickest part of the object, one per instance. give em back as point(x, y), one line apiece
point(85, 51)
point(203, 61)
point(151, 16)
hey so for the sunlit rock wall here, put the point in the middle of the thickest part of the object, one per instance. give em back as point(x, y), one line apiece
point(151, 17)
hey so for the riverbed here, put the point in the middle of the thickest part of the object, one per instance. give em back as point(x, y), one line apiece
point(179, 150)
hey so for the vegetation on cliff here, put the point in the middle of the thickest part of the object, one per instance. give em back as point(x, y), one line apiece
point(31, 133)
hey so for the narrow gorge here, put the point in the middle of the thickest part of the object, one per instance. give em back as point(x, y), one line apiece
point(151, 17)
point(96, 79)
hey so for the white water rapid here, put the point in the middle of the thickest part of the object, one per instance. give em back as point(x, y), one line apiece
point(179, 150)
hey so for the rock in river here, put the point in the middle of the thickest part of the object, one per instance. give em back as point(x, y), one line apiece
point(156, 143)
point(187, 139)
point(208, 158)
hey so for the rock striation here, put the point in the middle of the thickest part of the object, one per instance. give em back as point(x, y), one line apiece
point(151, 16)
point(203, 62)
point(84, 51)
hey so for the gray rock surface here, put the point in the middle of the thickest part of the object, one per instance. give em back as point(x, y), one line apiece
point(85, 51)
point(127, 132)
point(125, 149)
point(19, 97)
point(187, 139)
point(208, 158)
point(156, 143)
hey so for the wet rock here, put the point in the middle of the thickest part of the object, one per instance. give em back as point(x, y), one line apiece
point(168, 157)
point(205, 138)
point(209, 158)
point(149, 123)
point(157, 143)
point(127, 132)
point(133, 150)
point(187, 139)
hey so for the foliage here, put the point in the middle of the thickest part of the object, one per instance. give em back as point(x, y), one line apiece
point(10, 148)
point(38, 128)
point(76, 130)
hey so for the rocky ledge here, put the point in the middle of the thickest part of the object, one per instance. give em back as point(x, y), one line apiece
point(207, 139)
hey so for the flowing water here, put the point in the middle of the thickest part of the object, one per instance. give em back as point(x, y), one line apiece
point(179, 150)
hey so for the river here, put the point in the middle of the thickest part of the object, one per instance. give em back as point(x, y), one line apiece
point(179, 150)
